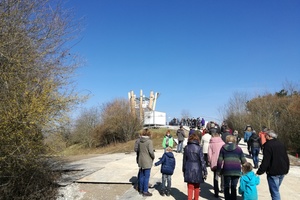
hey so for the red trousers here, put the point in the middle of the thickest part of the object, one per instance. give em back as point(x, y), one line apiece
point(193, 191)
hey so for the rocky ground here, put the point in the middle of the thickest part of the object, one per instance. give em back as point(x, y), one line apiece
point(79, 191)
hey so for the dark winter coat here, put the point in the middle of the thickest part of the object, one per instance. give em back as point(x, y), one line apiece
point(275, 160)
point(193, 165)
point(167, 163)
point(254, 141)
point(224, 135)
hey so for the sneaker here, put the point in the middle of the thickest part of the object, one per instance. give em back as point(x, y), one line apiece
point(162, 193)
point(147, 194)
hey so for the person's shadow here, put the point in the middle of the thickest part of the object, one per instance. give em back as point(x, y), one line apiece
point(206, 193)
point(175, 193)
point(134, 182)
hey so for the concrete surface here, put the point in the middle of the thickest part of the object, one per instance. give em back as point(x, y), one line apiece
point(122, 169)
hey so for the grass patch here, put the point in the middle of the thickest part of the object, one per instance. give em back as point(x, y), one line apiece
point(156, 136)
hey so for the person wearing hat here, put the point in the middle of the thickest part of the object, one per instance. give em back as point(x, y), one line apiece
point(275, 163)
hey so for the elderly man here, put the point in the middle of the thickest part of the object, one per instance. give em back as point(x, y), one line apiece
point(275, 163)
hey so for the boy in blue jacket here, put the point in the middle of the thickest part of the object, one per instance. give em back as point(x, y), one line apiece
point(248, 183)
point(167, 169)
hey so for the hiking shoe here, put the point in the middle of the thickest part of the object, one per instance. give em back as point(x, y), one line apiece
point(147, 194)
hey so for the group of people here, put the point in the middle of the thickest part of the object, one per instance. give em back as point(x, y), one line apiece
point(190, 122)
point(275, 161)
point(220, 152)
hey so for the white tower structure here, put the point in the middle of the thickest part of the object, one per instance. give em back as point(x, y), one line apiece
point(146, 108)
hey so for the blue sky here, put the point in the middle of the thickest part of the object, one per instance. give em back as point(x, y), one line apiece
point(195, 53)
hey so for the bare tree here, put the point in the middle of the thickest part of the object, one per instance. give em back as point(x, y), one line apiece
point(185, 114)
point(235, 110)
point(84, 128)
point(117, 123)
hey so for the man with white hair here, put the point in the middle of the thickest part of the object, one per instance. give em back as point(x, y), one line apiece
point(275, 163)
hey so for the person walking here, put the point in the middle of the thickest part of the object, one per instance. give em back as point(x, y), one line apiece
point(247, 134)
point(215, 144)
point(167, 141)
point(145, 161)
point(254, 145)
point(204, 144)
point(167, 169)
point(225, 134)
point(275, 163)
point(180, 136)
point(229, 165)
point(192, 130)
point(262, 136)
point(193, 166)
point(236, 134)
point(248, 183)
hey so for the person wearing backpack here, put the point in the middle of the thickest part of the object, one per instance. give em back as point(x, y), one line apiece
point(254, 147)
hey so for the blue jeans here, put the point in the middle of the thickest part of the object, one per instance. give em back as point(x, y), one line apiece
point(144, 180)
point(274, 183)
point(166, 178)
point(230, 183)
point(179, 146)
point(255, 152)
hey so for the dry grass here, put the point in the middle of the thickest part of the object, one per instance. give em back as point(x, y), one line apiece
point(77, 151)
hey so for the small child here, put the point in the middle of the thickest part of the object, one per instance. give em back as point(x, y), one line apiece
point(167, 169)
point(248, 183)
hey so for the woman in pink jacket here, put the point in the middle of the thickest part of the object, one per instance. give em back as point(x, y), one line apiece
point(215, 144)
